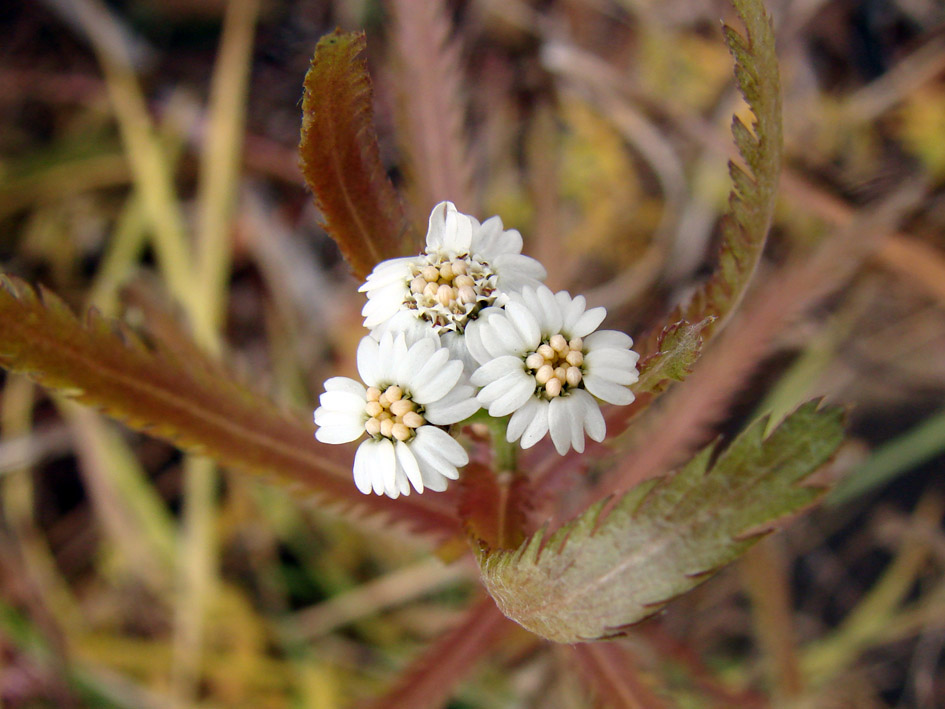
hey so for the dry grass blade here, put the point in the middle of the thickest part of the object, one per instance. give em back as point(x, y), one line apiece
point(104, 365)
point(430, 106)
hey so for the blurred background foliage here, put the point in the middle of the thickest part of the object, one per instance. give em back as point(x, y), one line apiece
point(148, 166)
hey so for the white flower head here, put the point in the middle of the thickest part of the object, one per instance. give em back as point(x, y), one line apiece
point(543, 361)
point(410, 392)
point(467, 266)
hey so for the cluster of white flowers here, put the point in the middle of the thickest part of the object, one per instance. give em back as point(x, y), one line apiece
point(467, 325)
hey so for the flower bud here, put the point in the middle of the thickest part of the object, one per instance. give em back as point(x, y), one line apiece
point(401, 407)
point(573, 376)
point(413, 420)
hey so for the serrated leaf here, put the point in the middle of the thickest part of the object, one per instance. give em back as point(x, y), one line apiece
point(752, 199)
point(595, 576)
point(187, 401)
point(678, 347)
point(340, 157)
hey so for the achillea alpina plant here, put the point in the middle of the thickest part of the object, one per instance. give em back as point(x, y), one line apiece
point(519, 427)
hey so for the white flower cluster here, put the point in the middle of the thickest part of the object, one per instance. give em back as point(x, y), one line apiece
point(467, 325)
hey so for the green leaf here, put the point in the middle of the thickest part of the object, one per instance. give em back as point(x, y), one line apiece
point(340, 157)
point(678, 347)
point(186, 399)
point(751, 202)
point(598, 574)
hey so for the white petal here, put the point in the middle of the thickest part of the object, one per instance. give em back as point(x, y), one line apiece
point(551, 311)
point(538, 426)
point(435, 472)
point(391, 352)
point(456, 344)
point(383, 305)
point(503, 338)
point(342, 402)
point(489, 240)
point(414, 358)
point(377, 479)
point(403, 485)
point(521, 419)
point(409, 464)
point(432, 383)
point(387, 272)
point(558, 425)
point(385, 465)
point(341, 433)
point(495, 389)
point(515, 396)
point(525, 324)
point(394, 291)
point(608, 391)
point(362, 467)
point(459, 404)
point(516, 271)
point(367, 361)
point(496, 368)
point(575, 412)
point(608, 338)
point(571, 308)
point(587, 322)
point(345, 384)
point(473, 340)
point(442, 444)
point(458, 231)
point(593, 419)
point(619, 366)
point(433, 479)
point(437, 226)
point(334, 419)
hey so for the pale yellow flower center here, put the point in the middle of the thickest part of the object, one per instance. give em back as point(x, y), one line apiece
point(556, 365)
point(392, 414)
point(447, 291)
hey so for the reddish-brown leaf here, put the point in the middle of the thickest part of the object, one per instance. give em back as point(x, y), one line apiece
point(185, 400)
point(340, 158)
point(613, 676)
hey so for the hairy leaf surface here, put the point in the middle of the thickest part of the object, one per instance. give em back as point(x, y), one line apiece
point(678, 347)
point(595, 576)
point(188, 401)
point(340, 157)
